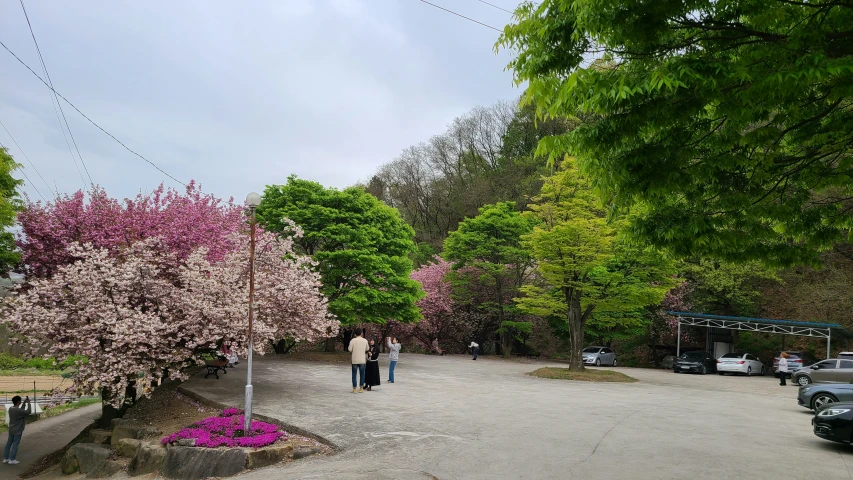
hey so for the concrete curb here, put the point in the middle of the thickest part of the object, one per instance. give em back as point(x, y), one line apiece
point(286, 426)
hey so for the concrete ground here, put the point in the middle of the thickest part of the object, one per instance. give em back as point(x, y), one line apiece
point(47, 436)
point(453, 418)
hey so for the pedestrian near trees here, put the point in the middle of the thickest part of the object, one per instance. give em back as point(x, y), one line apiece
point(17, 421)
point(372, 373)
point(475, 348)
point(359, 348)
point(393, 356)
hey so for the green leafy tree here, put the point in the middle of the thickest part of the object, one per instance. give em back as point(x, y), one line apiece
point(362, 247)
point(729, 123)
point(10, 203)
point(490, 244)
point(725, 288)
point(586, 271)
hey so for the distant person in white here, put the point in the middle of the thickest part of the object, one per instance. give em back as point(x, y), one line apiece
point(475, 349)
point(783, 368)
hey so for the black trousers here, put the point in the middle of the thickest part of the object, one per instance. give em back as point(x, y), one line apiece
point(782, 376)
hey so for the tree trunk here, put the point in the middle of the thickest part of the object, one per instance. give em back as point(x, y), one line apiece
point(331, 342)
point(576, 326)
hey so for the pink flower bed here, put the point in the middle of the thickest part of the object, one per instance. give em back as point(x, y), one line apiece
point(226, 430)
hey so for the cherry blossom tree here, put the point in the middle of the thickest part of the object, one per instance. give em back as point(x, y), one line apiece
point(183, 222)
point(436, 306)
point(139, 310)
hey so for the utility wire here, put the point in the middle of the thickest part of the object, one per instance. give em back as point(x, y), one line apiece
point(89, 119)
point(58, 104)
point(463, 16)
point(31, 163)
point(495, 6)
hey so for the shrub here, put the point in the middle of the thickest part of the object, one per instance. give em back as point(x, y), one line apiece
point(8, 362)
point(227, 431)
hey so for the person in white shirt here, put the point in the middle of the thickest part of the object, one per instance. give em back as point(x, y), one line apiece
point(782, 369)
point(475, 348)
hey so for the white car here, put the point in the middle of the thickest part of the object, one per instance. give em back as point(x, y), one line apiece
point(736, 363)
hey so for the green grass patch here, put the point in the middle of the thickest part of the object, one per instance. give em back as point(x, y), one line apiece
point(31, 372)
point(587, 375)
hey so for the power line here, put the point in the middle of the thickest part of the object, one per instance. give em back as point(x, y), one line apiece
point(52, 98)
point(31, 164)
point(463, 16)
point(495, 6)
point(89, 119)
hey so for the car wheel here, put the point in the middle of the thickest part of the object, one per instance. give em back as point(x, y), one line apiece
point(748, 371)
point(822, 399)
point(614, 361)
point(803, 380)
point(597, 362)
point(721, 373)
point(704, 370)
point(762, 372)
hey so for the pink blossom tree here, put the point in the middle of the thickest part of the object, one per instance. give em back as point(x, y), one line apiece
point(436, 306)
point(137, 311)
point(183, 222)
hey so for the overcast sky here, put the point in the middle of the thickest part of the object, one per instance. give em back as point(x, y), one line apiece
point(238, 95)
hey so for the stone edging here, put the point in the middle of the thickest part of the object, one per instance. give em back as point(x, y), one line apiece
point(286, 426)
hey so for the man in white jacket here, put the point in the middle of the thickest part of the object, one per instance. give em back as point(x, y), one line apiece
point(359, 348)
point(475, 348)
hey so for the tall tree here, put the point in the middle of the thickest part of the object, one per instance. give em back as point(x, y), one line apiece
point(362, 248)
point(10, 203)
point(585, 269)
point(729, 123)
point(491, 244)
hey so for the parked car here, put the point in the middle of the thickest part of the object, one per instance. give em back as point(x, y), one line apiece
point(735, 363)
point(599, 356)
point(796, 361)
point(834, 370)
point(696, 362)
point(816, 397)
point(834, 422)
point(848, 355)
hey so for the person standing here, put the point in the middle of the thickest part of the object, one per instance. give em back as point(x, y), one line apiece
point(475, 348)
point(359, 347)
point(372, 376)
point(783, 368)
point(17, 420)
point(393, 356)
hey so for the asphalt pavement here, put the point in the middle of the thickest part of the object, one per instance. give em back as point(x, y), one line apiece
point(454, 418)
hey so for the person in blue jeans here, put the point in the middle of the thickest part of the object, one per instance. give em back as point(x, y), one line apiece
point(17, 420)
point(359, 347)
point(393, 355)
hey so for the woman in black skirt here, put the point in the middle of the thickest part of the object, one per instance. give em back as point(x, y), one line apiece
point(371, 377)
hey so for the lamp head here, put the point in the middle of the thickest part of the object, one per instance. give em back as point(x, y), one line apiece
point(253, 200)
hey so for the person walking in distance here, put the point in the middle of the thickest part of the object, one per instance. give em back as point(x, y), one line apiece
point(783, 368)
point(359, 347)
point(393, 356)
point(17, 420)
point(474, 348)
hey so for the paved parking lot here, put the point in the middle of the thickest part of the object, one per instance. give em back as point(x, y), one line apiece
point(452, 418)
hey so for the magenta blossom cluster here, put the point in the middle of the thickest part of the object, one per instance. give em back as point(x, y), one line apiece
point(227, 431)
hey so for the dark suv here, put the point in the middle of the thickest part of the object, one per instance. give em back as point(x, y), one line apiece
point(796, 361)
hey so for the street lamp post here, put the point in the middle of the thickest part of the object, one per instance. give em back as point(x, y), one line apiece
point(252, 202)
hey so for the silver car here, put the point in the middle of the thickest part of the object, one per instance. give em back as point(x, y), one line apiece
point(835, 370)
point(599, 356)
point(816, 397)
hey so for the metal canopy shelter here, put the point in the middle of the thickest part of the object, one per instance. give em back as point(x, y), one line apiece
point(766, 325)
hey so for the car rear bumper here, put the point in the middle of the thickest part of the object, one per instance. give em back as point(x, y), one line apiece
point(731, 368)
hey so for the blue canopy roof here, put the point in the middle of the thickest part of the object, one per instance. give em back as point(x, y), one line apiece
point(793, 323)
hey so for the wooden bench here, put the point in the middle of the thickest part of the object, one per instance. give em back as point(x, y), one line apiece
point(214, 366)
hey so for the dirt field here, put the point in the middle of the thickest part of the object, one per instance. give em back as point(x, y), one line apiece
point(15, 385)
